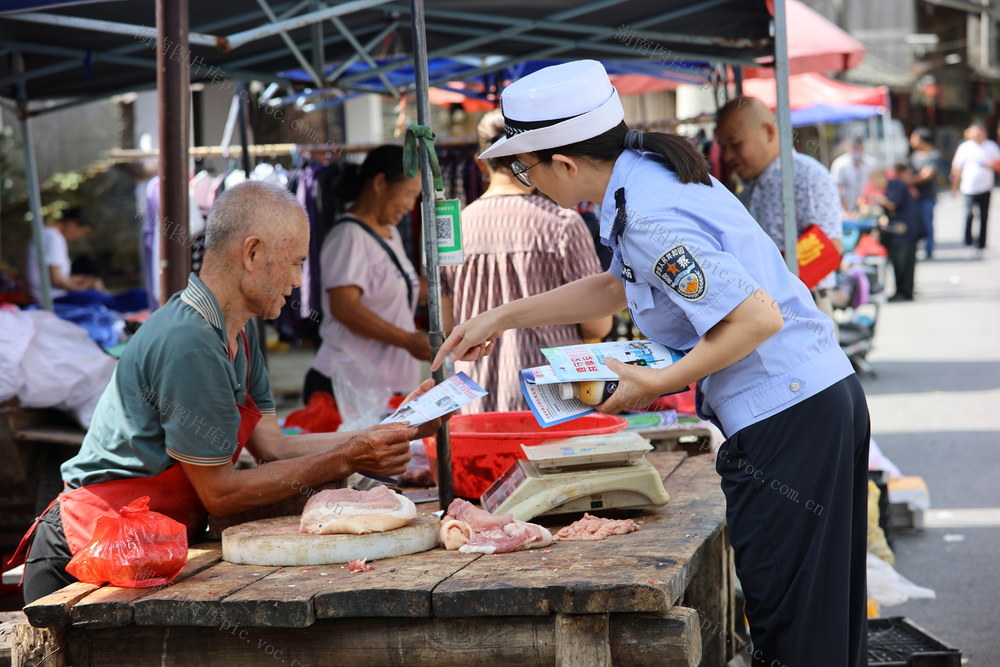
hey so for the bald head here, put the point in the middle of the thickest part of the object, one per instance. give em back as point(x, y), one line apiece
point(256, 241)
point(745, 109)
point(747, 133)
point(251, 209)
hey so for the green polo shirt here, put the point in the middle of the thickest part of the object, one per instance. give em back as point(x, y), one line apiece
point(173, 395)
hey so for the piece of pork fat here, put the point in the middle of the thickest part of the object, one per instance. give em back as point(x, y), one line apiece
point(594, 528)
point(453, 533)
point(477, 519)
point(356, 512)
point(514, 536)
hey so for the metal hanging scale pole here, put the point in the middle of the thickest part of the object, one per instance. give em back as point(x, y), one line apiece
point(445, 487)
point(786, 137)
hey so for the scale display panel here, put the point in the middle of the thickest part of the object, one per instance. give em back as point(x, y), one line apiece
point(578, 474)
point(503, 487)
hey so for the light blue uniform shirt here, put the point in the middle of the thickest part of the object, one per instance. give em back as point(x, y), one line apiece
point(694, 254)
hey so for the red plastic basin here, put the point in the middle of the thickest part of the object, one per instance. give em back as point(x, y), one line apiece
point(484, 445)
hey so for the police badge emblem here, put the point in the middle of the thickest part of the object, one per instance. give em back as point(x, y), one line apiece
point(680, 271)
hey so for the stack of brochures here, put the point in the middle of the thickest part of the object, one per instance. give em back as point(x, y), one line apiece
point(543, 386)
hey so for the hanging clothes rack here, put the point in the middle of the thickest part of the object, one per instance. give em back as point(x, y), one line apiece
point(258, 150)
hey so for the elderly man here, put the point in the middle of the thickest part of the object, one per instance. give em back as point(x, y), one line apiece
point(190, 392)
point(747, 134)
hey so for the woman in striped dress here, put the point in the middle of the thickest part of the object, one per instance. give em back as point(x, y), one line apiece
point(516, 243)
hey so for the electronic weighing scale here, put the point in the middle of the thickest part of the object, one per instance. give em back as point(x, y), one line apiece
point(579, 474)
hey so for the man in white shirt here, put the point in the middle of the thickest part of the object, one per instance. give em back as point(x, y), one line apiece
point(57, 237)
point(976, 162)
point(850, 171)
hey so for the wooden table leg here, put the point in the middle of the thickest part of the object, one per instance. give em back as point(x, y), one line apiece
point(711, 594)
point(37, 647)
point(582, 639)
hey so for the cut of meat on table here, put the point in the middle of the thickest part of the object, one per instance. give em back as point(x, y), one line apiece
point(478, 519)
point(592, 527)
point(454, 533)
point(349, 511)
point(514, 536)
point(472, 530)
point(362, 565)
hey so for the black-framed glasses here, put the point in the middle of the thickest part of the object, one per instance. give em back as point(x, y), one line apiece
point(521, 172)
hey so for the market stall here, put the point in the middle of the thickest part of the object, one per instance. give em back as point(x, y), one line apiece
point(676, 568)
point(657, 596)
point(224, 44)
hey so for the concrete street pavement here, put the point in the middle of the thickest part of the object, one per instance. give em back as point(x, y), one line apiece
point(935, 406)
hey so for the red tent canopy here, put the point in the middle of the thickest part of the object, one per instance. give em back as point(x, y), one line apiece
point(814, 43)
point(627, 84)
point(805, 90)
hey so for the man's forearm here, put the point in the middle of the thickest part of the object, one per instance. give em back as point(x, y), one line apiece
point(242, 490)
point(307, 444)
point(582, 300)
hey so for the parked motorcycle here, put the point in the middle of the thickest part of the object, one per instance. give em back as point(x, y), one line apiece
point(860, 291)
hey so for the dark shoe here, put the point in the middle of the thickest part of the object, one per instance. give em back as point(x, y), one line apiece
point(899, 297)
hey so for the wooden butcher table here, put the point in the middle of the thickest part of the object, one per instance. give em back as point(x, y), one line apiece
point(662, 596)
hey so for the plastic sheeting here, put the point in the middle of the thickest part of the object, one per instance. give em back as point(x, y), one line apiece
point(47, 362)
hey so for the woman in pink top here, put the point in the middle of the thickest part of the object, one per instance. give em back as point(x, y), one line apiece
point(370, 286)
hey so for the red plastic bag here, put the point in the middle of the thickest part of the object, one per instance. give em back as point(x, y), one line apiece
point(139, 549)
point(682, 402)
point(319, 416)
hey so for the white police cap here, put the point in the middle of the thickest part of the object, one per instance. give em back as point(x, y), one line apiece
point(557, 106)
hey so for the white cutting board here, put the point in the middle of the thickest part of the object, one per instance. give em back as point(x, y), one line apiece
point(279, 542)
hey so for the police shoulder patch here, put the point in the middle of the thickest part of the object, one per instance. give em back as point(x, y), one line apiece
point(680, 271)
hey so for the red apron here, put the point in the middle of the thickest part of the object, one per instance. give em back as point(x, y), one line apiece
point(170, 492)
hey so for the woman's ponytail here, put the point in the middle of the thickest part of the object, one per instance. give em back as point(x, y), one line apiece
point(681, 157)
point(349, 185)
point(386, 159)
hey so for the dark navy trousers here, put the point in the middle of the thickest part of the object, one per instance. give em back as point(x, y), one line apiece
point(796, 487)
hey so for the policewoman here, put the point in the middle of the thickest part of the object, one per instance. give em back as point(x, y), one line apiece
point(698, 274)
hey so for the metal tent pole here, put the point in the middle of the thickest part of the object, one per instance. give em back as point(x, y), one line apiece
point(785, 136)
point(174, 99)
point(31, 175)
point(445, 488)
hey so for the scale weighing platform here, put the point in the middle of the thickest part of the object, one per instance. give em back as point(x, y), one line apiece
point(579, 474)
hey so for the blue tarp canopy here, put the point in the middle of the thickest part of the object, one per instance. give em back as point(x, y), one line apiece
point(470, 69)
point(833, 113)
point(90, 50)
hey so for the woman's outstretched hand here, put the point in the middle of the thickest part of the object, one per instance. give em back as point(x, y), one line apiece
point(471, 340)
